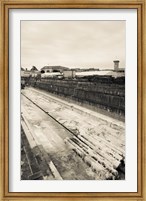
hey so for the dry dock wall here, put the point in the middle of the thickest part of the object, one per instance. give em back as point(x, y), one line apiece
point(107, 96)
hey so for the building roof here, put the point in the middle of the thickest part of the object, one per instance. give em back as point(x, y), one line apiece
point(34, 68)
point(54, 67)
point(101, 73)
point(89, 73)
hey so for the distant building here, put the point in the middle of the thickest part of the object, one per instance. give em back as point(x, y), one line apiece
point(25, 73)
point(101, 73)
point(34, 68)
point(53, 69)
point(69, 73)
point(116, 66)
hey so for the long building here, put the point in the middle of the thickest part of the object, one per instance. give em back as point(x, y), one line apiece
point(51, 69)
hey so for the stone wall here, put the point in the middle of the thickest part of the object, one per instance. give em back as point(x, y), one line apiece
point(107, 96)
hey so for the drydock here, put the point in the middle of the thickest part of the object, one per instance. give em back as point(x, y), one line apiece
point(65, 140)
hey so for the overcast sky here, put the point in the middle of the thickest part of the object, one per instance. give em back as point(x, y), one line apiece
point(79, 44)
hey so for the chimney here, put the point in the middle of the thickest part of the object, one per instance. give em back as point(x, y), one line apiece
point(116, 65)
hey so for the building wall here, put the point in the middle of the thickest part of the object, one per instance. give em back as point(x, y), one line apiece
point(69, 74)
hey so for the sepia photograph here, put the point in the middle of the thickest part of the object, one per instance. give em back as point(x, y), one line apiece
point(73, 99)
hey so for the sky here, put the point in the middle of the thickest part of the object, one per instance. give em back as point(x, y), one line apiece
point(73, 44)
